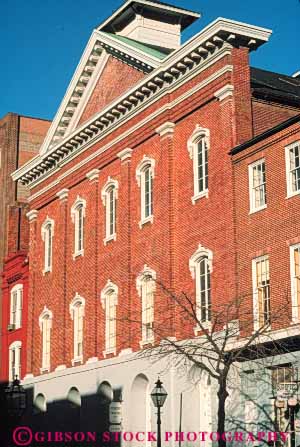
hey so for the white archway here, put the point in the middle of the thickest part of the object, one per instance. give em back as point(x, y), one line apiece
point(140, 406)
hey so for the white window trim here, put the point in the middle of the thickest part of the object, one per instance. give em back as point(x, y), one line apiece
point(110, 292)
point(193, 266)
point(46, 313)
point(295, 309)
point(110, 183)
point(192, 145)
point(18, 288)
point(146, 161)
point(253, 209)
point(256, 323)
point(74, 216)
point(139, 286)
point(48, 221)
point(76, 300)
point(18, 346)
point(290, 192)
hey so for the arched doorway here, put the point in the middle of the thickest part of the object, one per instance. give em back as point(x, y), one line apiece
point(140, 409)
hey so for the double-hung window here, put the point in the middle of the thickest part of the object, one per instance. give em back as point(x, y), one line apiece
point(145, 175)
point(78, 216)
point(47, 236)
point(257, 186)
point(45, 322)
point(15, 361)
point(109, 298)
point(77, 315)
point(109, 198)
point(198, 146)
point(261, 292)
point(146, 290)
point(16, 299)
point(292, 160)
point(295, 281)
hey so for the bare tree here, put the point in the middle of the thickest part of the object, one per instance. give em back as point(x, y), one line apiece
point(226, 336)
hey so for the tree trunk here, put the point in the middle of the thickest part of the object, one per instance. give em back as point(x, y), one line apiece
point(222, 396)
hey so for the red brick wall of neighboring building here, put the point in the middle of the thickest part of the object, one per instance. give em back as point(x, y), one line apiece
point(269, 231)
point(166, 245)
point(267, 114)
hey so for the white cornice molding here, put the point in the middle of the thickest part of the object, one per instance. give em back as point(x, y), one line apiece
point(224, 92)
point(179, 65)
point(63, 194)
point(167, 128)
point(125, 154)
point(93, 175)
point(32, 215)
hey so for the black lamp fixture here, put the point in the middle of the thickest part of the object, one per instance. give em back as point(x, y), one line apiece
point(158, 397)
point(16, 398)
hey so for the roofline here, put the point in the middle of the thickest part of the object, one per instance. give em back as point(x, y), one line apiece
point(171, 8)
point(265, 134)
point(24, 116)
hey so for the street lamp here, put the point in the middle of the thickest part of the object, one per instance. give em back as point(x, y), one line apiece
point(158, 397)
point(15, 398)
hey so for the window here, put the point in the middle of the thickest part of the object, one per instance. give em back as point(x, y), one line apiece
point(45, 322)
point(201, 268)
point(77, 314)
point(78, 215)
point(47, 236)
point(292, 160)
point(109, 198)
point(145, 175)
point(15, 360)
point(261, 291)
point(109, 299)
point(295, 280)
point(146, 288)
point(198, 146)
point(282, 374)
point(16, 299)
point(257, 186)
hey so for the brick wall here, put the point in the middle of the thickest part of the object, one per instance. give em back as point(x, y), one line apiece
point(268, 114)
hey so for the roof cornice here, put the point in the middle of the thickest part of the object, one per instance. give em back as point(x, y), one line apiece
point(195, 53)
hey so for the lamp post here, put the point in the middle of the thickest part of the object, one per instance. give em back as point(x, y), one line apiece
point(158, 397)
point(15, 398)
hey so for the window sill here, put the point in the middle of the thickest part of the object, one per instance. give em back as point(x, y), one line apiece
point(255, 210)
point(200, 195)
point(145, 221)
point(109, 351)
point(45, 271)
point(206, 325)
point(14, 329)
point(144, 343)
point(45, 370)
point(292, 194)
point(77, 254)
point(110, 238)
point(77, 360)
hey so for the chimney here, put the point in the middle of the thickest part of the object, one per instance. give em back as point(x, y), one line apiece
point(150, 22)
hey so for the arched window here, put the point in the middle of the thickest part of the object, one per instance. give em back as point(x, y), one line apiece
point(40, 403)
point(198, 146)
point(15, 360)
point(201, 268)
point(16, 298)
point(78, 215)
point(45, 322)
point(47, 236)
point(109, 197)
point(109, 299)
point(77, 314)
point(146, 288)
point(145, 175)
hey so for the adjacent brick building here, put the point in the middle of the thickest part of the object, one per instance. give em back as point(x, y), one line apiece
point(139, 180)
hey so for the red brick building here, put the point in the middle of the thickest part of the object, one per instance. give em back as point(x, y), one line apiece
point(136, 180)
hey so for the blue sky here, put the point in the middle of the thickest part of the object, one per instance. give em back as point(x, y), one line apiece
point(42, 41)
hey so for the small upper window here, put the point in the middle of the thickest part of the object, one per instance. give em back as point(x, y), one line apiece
point(261, 291)
point(109, 197)
point(15, 361)
point(257, 186)
point(78, 215)
point(47, 236)
point(45, 322)
point(145, 175)
point(77, 314)
point(109, 298)
point(146, 288)
point(16, 298)
point(201, 267)
point(295, 281)
point(198, 146)
point(292, 158)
